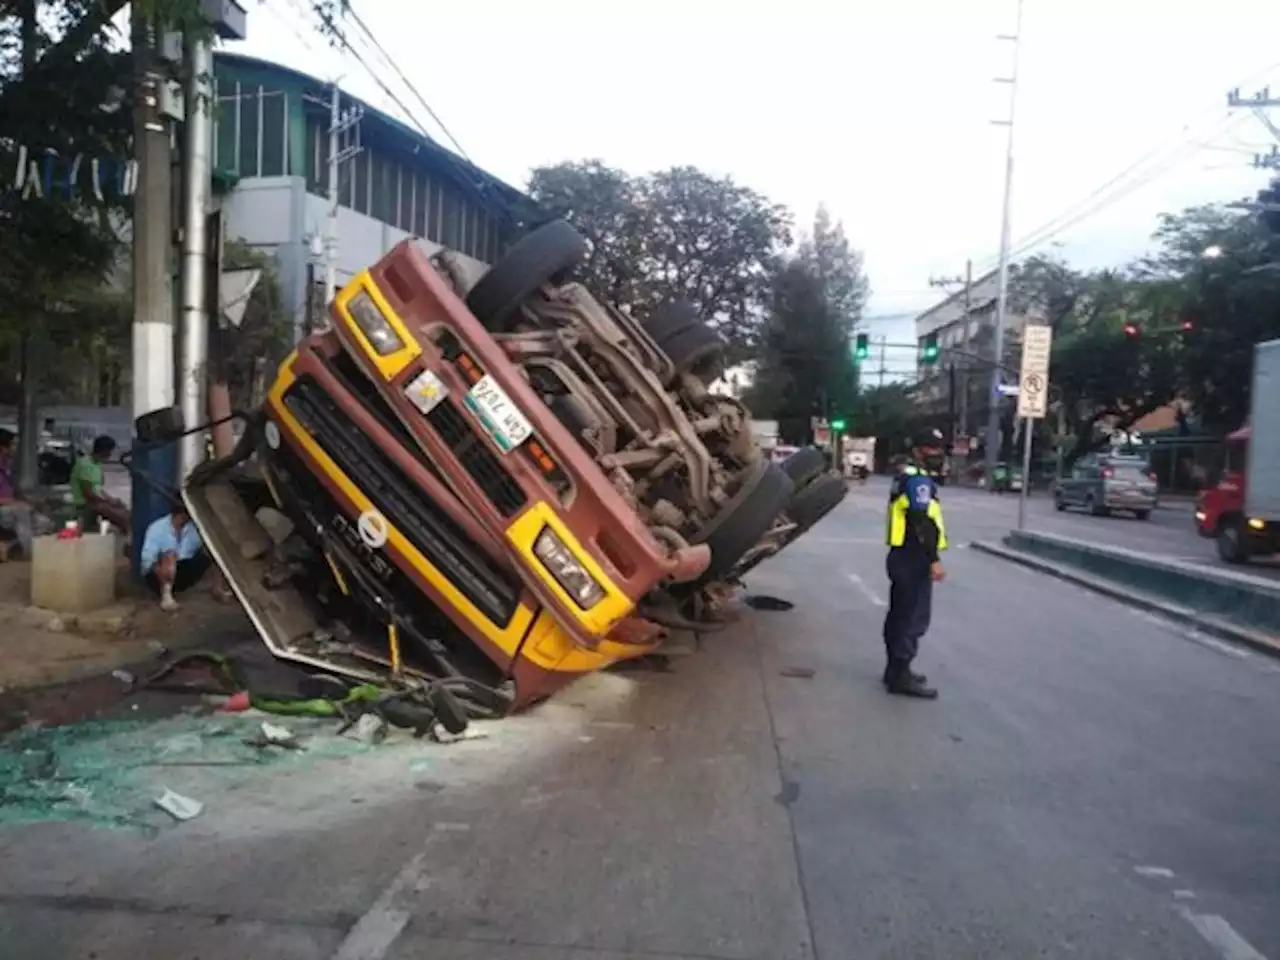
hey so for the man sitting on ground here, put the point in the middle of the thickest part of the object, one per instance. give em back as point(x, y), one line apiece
point(92, 502)
point(173, 556)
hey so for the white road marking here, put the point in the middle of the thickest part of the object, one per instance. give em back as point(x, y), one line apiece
point(867, 592)
point(1163, 872)
point(1222, 936)
point(375, 932)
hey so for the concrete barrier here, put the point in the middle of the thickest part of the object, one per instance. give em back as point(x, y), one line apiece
point(1235, 596)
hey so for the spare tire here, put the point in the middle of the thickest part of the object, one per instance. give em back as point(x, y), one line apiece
point(816, 500)
point(761, 496)
point(544, 256)
point(805, 464)
point(672, 317)
point(691, 345)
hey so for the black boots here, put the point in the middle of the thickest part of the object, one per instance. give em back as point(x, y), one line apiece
point(904, 682)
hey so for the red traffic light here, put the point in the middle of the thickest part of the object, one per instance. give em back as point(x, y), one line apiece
point(1131, 330)
point(1188, 324)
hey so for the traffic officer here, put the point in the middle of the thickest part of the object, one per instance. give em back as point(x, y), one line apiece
point(916, 535)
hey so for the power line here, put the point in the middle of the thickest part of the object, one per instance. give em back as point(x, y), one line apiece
point(1073, 215)
point(355, 17)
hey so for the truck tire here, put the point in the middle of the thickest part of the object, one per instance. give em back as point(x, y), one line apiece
point(805, 464)
point(816, 500)
point(1233, 543)
point(691, 345)
point(762, 495)
point(544, 256)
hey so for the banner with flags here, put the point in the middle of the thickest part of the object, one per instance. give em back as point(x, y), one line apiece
point(30, 174)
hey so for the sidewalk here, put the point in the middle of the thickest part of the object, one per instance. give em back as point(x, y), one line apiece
point(40, 648)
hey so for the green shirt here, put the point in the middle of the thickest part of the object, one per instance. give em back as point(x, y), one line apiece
point(86, 471)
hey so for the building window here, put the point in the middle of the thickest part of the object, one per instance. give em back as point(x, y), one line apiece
point(275, 136)
point(317, 157)
point(435, 227)
point(360, 182)
point(250, 131)
point(451, 220)
point(382, 198)
point(225, 119)
point(404, 199)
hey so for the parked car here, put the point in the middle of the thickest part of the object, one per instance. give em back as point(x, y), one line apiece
point(501, 484)
point(1105, 483)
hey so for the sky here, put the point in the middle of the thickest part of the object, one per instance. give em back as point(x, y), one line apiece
point(883, 112)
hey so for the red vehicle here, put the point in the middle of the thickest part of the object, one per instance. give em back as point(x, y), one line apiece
point(1221, 512)
point(1242, 512)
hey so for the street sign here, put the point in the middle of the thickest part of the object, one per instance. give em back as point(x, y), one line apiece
point(1007, 389)
point(1033, 393)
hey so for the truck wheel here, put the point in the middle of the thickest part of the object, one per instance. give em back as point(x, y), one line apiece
point(805, 464)
point(1233, 547)
point(762, 495)
point(544, 256)
point(816, 500)
point(692, 346)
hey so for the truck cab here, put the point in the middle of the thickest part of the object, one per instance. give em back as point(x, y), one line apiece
point(1222, 514)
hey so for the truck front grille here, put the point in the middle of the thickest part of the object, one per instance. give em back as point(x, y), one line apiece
point(493, 590)
point(477, 459)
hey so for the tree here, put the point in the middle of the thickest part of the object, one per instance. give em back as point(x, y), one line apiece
point(1231, 299)
point(676, 234)
point(891, 415)
point(805, 359)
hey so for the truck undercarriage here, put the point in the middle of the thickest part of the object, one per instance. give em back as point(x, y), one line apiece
point(363, 547)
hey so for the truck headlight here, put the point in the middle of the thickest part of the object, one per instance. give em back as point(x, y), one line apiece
point(567, 569)
point(374, 325)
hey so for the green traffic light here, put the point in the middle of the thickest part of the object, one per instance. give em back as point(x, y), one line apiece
point(837, 425)
point(861, 349)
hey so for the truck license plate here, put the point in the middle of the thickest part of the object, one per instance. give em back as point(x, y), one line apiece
point(505, 423)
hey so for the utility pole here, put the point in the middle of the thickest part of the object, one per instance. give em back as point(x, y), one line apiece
point(341, 149)
point(1006, 217)
point(152, 231)
point(1259, 103)
point(884, 345)
point(197, 172)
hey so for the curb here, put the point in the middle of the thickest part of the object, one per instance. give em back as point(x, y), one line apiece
point(1207, 623)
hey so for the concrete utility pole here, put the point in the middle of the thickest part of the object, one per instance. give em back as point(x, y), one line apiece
point(339, 124)
point(1259, 103)
point(152, 232)
point(197, 159)
point(1006, 219)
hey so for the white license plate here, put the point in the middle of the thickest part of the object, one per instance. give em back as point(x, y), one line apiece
point(505, 423)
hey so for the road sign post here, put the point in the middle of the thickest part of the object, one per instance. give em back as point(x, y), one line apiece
point(1033, 398)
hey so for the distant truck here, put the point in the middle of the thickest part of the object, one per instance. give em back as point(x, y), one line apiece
point(1242, 512)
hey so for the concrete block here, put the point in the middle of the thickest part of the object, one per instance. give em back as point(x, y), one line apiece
point(74, 576)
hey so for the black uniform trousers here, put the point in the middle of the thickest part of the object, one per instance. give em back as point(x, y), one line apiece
point(910, 604)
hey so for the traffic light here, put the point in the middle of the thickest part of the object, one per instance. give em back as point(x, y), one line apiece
point(837, 424)
point(1188, 325)
point(930, 354)
point(1132, 331)
point(861, 348)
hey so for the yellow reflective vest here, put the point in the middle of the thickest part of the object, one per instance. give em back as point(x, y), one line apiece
point(900, 504)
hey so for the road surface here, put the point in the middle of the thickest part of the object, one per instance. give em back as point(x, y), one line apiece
point(1093, 783)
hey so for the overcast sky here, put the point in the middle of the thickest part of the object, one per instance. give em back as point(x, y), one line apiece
point(881, 111)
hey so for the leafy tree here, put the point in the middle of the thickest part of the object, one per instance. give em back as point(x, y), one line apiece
point(676, 234)
point(1231, 299)
point(247, 353)
point(891, 414)
point(805, 359)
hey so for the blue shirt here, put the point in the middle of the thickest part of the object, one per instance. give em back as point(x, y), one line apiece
point(160, 539)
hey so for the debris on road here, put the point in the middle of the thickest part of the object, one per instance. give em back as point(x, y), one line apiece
point(179, 807)
point(798, 673)
point(762, 602)
point(371, 729)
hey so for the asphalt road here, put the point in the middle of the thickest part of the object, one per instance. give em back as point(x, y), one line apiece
point(1093, 783)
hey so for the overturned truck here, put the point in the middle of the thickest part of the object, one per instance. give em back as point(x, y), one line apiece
point(496, 486)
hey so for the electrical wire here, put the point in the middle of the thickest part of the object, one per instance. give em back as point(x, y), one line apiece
point(417, 95)
point(1100, 198)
